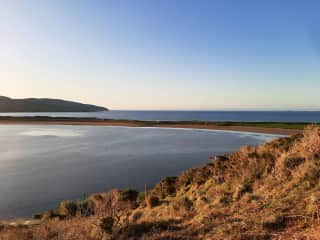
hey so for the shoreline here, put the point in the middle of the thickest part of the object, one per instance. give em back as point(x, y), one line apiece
point(188, 125)
point(219, 126)
point(252, 127)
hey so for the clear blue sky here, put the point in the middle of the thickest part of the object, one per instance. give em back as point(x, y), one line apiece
point(163, 54)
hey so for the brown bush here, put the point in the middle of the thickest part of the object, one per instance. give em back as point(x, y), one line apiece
point(309, 145)
point(152, 201)
point(106, 224)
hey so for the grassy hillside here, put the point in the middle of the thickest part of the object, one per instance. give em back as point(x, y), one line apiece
point(45, 105)
point(267, 192)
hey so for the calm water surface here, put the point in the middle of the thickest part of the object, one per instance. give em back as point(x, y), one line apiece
point(42, 165)
point(240, 116)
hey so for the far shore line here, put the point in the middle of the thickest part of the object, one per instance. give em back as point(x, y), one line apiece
point(254, 127)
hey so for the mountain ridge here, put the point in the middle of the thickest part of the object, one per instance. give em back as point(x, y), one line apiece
point(45, 105)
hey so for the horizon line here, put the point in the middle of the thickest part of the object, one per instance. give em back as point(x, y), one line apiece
point(222, 110)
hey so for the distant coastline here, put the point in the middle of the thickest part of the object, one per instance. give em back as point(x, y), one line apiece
point(10, 105)
point(257, 127)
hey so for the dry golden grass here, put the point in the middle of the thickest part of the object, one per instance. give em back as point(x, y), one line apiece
point(267, 192)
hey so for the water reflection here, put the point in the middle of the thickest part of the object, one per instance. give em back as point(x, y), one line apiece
point(37, 171)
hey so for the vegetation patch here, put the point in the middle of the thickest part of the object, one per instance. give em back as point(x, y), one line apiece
point(68, 208)
point(226, 199)
point(247, 195)
point(152, 201)
point(106, 224)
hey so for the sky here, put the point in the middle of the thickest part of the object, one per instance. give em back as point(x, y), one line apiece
point(163, 54)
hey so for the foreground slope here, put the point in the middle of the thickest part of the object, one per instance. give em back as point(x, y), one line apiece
point(45, 105)
point(267, 192)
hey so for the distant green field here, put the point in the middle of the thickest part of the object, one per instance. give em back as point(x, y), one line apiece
point(281, 125)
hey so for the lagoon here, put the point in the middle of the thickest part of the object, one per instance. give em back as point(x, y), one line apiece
point(43, 165)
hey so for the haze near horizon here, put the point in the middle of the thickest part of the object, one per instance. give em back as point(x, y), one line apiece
point(163, 55)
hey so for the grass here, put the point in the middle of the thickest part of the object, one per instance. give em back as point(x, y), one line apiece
point(129, 195)
point(271, 191)
point(280, 125)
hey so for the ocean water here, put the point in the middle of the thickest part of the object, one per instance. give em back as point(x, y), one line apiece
point(43, 165)
point(241, 116)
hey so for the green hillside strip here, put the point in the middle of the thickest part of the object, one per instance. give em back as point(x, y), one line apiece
point(279, 125)
point(283, 125)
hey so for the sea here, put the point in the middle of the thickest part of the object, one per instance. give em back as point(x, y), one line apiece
point(238, 116)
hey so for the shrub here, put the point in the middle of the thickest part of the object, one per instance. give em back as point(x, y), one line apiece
point(253, 198)
point(183, 205)
point(167, 187)
point(140, 230)
point(309, 144)
point(226, 199)
point(253, 154)
point(170, 180)
point(312, 175)
point(152, 201)
point(85, 207)
point(68, 208)
point(37, 216)
point(49, 215)
point(274, 222)
point(311, 139)
point(258, 173)
point(136, 216)
point(141, 197)
point(129, 195)
point(293, 162)
point(186, 203)
point(106, 224)
point(245, 187)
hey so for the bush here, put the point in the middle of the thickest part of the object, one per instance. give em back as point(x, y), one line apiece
point(49, 215)
point(129, 195)
point(292, 162)
point(183, 205)
point(37, 216)
point(169, 185)
point(68, 208)
point(311, 140)
point(85, 207)
point(246, 187)
point(258, 173)
point(152, 201)
point(106, 224)
point(136, 216)
point(253, 154)
point(274, 222)
point(166, 187)
point(186, 203)
point(226, 199)
point(170, 180)
point(140, 230)
point(141, 197)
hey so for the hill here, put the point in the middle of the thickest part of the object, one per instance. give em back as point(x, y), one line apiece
point(45, 105)
point(271, 191)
